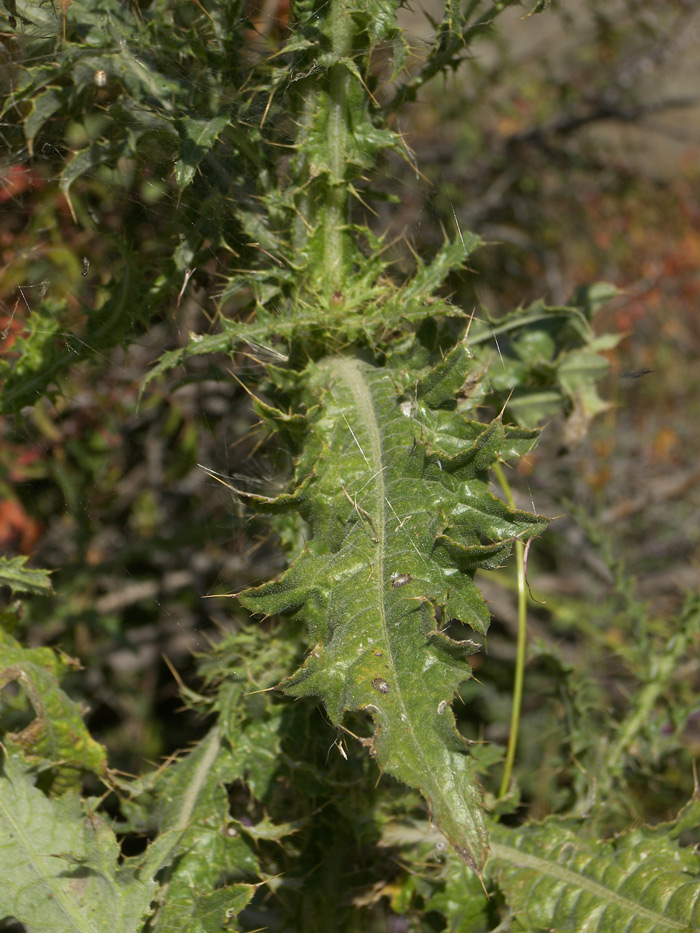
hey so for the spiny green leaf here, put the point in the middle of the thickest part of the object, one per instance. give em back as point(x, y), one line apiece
point(49, 346)
point(455, 32)
point(198, 344)
point(196, 139)
point(555, 878)
point(442, 383)
point(430, 276)
point(205, 852)
point(663, 663)
point(82, 162)
point(462, 900)
point(172, 358)
point(412, 303)
point(54, 662)
point(39, 360)
point(545, 360)
point(43, 107)
point(60, 864)
point(57, 737)
point(688, 820)
point(397, 497)
point(204, 912)
point(22, 579)
point(540, 6)
point(590, 298)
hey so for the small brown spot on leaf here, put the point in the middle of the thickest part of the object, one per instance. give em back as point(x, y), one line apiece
point(401, 579)
point(381, 685)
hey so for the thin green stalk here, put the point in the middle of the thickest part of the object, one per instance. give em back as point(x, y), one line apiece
point(522, 636)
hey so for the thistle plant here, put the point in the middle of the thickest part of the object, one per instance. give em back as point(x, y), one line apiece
point(396, 406)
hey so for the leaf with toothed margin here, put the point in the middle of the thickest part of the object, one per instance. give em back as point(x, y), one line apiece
point(21, 579)
point(554, 877)
point(61, 869)
point(394, 487)
point(196, 138)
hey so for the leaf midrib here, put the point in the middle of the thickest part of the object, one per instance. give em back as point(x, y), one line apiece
point(351, 372)
point(36, 862)
point(577, 880)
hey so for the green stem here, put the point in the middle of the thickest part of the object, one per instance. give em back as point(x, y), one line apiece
point(335, 212)
point(304, 199)
point(522, 636)
point(324, 142)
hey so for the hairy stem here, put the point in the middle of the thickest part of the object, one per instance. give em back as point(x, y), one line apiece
point(336, 207)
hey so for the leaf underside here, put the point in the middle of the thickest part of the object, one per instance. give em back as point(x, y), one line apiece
point(397, 498)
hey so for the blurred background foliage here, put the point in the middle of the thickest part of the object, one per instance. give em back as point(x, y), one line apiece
point(571, 143)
